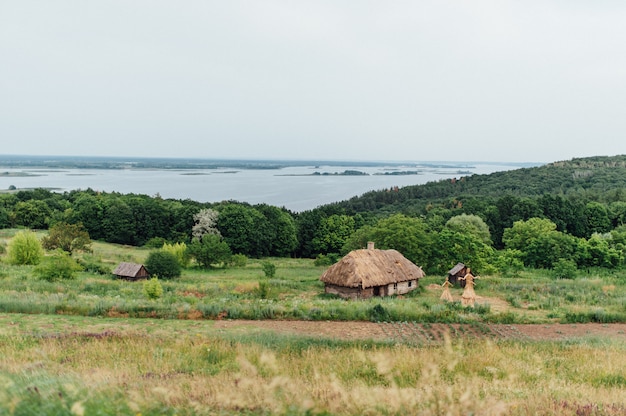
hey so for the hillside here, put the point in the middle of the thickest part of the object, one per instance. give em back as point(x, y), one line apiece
point(595, 178)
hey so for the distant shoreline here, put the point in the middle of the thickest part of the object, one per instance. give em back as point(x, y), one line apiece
point(94, 162)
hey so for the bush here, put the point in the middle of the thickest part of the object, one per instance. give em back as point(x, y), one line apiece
point(326, 259)
point(180, 251)
point(269, 269)
point(564, 269)
point(264, 289)
point(25, 248)
point(92, 265)
point(155, 242)
point(238, 260)
point(378, 313)
point(58, 266)
point(152, 288)
point(163, 264)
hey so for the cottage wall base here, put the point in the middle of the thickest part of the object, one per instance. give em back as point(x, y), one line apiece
point(358, 293)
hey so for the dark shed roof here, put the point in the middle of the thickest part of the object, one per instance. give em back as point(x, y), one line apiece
point(132, 270)
point(456, 269)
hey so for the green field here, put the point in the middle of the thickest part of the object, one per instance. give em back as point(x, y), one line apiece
point(98, 345)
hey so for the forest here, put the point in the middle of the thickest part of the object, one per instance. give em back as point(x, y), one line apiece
point(566, 215)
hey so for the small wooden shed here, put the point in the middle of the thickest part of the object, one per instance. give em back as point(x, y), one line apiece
point(131, 271)
point(457, 271)
point(371, 272)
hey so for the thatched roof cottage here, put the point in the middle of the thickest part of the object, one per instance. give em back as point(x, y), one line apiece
point(371, 272)
point(131, 271)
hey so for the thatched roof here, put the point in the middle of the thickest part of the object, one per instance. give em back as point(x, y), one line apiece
point(370, 267)
point(128, 269)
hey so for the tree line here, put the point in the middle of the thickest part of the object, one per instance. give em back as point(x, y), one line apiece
point(576, 211)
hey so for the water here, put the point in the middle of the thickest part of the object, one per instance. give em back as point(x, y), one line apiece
point(292, 187)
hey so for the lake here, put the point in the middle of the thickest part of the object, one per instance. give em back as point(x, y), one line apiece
point(297, 188)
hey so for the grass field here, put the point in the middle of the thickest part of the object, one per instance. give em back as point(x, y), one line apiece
point(98, 345)
point(295, 292)
point(86, 365)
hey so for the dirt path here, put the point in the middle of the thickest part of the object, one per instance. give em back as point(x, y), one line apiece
point(425, 333)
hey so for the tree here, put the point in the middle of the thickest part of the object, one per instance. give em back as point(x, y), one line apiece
point(205, 222)
point(244, 229)
point(470, 224)
point(333, 233)
point(281, 229)
point(32, 214)
point(597, 218)
point(523, 232)
point(89, 211)
point(118, 222)
point(408, 235)
point(596, 251)
point(163, 264)
point(451, 247)
point(211, 251)
point(57, 266)
point(150, 218)
point(307, 223)
point(5, 220)
point(67, 237)
point(618, 213)
point(546, 249)
point(25, 248)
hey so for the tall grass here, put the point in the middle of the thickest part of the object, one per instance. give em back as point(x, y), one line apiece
point(95, 366)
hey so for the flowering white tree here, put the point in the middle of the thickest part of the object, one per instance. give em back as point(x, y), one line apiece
point(205, 223)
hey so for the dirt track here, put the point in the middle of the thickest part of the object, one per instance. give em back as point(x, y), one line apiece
point(428, 333)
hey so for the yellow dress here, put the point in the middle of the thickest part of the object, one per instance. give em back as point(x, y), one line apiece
point(446, 295)
point(469, 296)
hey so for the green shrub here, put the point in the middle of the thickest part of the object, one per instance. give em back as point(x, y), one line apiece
point(378, 313)
point(94, 264)
point(25, 248)
point(264, 289)
point(163, 264)
point(238, 260)
point(57, 266)
point(155, 242)
point(180, 251)
point(269, 269)
point(152, 288)
point(326, 260)
point(564, 269)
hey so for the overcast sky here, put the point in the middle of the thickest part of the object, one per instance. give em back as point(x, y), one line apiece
point(517, 81)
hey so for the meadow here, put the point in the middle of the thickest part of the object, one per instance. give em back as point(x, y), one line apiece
point(98, 345)
point(67, 365)
point(295, 292)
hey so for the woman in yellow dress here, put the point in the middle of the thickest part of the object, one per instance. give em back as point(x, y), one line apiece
point(469, 296)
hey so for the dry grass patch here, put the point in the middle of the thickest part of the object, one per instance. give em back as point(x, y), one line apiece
point(188, 367)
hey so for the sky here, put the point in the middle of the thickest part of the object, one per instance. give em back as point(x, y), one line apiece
point(418, 80)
